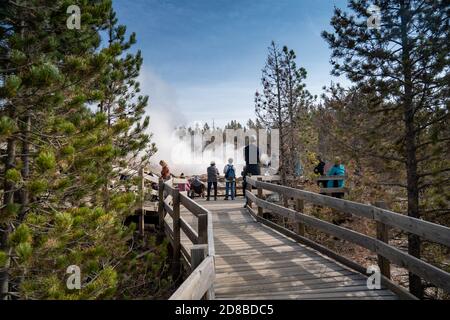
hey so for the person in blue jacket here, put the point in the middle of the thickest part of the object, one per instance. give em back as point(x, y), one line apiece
point(337, 170)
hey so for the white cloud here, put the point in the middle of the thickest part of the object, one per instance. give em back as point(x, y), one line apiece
point(163, 109)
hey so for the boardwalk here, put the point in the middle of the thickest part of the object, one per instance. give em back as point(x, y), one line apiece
point(256, 262)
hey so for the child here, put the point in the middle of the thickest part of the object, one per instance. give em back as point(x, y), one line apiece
point(184, 186)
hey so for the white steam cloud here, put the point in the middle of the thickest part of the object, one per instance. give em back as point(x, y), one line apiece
point(183, 154)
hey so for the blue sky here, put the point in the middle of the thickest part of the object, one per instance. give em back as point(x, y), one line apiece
point(203, 58)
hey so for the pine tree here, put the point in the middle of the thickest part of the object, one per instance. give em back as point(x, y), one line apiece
point(42, 71)
point(59, 154)
point(269, 106)
point(298, 101)
point(234, 124)
point(124, 108)
point(405, 65)
point(283, 103)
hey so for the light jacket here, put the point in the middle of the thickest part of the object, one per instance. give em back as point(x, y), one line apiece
point(336, 171)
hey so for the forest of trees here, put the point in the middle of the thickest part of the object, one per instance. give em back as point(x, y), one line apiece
point(391, 126)
point(71, 118)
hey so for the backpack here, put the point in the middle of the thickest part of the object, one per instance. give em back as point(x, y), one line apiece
point(230, 173)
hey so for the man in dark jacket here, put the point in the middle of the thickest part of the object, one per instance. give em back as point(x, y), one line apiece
point(320, 169)
point(251, 156)
point(213, 174)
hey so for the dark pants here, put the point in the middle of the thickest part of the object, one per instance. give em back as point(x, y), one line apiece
point(250, 169)
point(210, 184)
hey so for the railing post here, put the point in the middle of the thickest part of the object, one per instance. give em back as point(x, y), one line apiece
point(260, 196)
point(300, 206)
point(198, 254)
point(176, 232)
point(141, 201)
point(249, 187)
point(383, 235)
point(202, 228)
point(161, 205)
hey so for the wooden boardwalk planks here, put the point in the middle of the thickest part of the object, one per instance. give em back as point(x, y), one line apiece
point(256, 262)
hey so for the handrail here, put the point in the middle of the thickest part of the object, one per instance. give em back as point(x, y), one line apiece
point(210, 236)
point(425, 229)
point(198, 282)
point(201, 258)
point(192, 206)
point(328, 178)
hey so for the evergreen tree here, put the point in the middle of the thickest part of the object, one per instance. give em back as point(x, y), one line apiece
point(233, 124)
point(59, 154)
point(269, 106)
point(122, 105)
point(283, 103)
point(298, 101)
point(37, 49)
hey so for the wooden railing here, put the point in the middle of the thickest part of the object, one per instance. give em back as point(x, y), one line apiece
point(384, 219)
point(221, 185)
point(326, 190)
point(144, 190)
point(200, 259)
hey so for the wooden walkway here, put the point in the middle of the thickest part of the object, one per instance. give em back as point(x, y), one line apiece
point(254, 261)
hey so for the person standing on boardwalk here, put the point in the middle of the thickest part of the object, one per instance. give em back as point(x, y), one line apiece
point(230, 179)
point(337, 170)
point(165, 172)
point(320, 170)
point(251, 156)
point(213, 174)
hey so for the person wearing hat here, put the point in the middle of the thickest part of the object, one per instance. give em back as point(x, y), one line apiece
point(230, 179)
point(213, 174)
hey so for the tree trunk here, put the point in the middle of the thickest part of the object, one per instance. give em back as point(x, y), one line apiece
point(292, 132)
point(415, 283)
point(282, 161)
point(24, 194)
point(8, 198)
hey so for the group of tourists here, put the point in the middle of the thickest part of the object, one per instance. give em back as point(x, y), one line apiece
point(229, 172)
point(195, 186)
